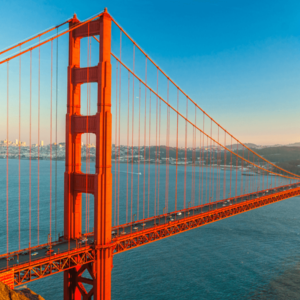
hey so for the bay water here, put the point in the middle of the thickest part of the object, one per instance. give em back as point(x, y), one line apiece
point(254, 255)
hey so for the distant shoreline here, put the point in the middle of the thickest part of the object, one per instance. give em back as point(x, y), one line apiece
point(228, 167)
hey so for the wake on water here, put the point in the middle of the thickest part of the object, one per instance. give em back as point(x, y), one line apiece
point(130, 173)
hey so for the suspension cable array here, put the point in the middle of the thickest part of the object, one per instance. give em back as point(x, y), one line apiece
point(167, 159)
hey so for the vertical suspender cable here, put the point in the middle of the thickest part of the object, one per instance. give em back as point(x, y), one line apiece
point(209, 183)
point(195, 156)
point(132, 134)
point(145, 141)
point(210, 178)
point(206, 172)
point(267, 180)
point(39, 124)
point(214, 186)
point(263, 180)
point(116, 143)
point(156, 115)
point(145, 132)
point(248, 181)
point(127, 148)
point(200, 159)
point(139, 136)
point(119, 142)
point(7, 154)
point(217, 160)
point(30, 100)
point(56, 102)
point(236, 172)
point(224, 181)
point(254, 183)
point(242, 170)
point(254, 177)
point(176, 178)
point(50, 214)
point(230, 168)
point(20, 150)
point(158, 154)
point(149, 152)
point(185, 155)
point(219, 166)
point(167, 150)
point(194, 160)
point(203, 159)
point(159, 123)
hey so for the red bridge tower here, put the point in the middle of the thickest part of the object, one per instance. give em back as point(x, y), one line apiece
point(100, 183)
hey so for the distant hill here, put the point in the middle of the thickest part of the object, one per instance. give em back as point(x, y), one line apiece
point(254, 146)
point(293, 145)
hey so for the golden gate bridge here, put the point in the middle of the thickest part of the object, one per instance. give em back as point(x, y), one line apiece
point(190, 170)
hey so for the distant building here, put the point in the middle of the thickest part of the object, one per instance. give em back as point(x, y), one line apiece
point(42, 143)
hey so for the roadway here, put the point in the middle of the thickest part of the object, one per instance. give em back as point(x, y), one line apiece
point(49, 250)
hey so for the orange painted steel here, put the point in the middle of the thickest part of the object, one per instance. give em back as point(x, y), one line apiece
point(51, 39)
point(34, 37)
point(198, 128)
point(131, 39)
point(100, 183)
point(198, 207)
point(103, 192)
point(47, 266)
point(8, 278)
point(83, 258)
point(143, 237)
point(72, 196)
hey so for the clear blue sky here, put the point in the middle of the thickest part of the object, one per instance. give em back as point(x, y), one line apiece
point(239, 60)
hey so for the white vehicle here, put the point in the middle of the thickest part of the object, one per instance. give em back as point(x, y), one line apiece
point(135, 228)
point(34, 253)
point(179, 213)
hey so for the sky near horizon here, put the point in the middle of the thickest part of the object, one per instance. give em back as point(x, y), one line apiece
point(238, 60)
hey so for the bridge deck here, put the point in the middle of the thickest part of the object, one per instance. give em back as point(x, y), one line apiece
point(37, 262)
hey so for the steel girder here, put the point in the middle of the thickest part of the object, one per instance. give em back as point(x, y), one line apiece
point(84, 257)
point(156, 233)
point(51, 265)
